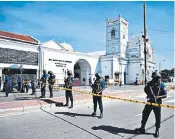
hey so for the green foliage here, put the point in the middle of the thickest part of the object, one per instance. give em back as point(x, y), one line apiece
point(166, 73)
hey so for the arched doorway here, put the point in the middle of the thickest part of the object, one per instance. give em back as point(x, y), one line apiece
point(82, 71)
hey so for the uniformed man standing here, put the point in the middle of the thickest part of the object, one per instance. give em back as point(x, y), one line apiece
point(68, 85)
point(155, 91)
point(7, 85)
point(97, 88)
point(34, 85)
point(0, 82)
point(51, 81)
point(26, 84)
point(19, 80)
point(43, 84)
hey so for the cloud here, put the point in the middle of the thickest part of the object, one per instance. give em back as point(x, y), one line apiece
point(82, 24)
point(58, 26)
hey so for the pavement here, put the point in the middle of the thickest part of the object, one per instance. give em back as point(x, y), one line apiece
point(119, 121)
point(22, 102)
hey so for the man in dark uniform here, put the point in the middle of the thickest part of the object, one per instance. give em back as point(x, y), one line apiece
point(13, 83)
point(68, 85)
point(26, 84)
point(43, 84)
point(51, 81)
point(0, 82)
point(19, 80)
point(34, 85)
point(90, 81)
point(7, 85)
point(155, 91)
point(97, 88)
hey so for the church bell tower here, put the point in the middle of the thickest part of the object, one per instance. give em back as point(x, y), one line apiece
point(116, 36)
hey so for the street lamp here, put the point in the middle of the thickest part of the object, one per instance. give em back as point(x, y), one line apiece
point(160, 65)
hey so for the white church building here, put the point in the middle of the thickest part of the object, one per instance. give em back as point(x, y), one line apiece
point(123, 59)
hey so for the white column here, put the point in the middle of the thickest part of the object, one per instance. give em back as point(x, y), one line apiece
point(1, 73)
point(140, 74)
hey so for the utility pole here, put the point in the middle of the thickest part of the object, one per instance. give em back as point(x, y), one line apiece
point(144, 12)
point(159, 67)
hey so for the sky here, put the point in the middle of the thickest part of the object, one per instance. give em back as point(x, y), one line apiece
point(82, 24)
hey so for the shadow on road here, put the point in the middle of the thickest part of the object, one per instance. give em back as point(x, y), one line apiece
point(74, 114)
point(154, 126)
point(58, 104)
point(24, 98)
point(72, 124)
point(116, 130)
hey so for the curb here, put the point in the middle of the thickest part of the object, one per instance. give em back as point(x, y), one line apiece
point(26, 109)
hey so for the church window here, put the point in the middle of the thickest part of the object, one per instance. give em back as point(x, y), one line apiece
point(123, 36)
point(113, 34)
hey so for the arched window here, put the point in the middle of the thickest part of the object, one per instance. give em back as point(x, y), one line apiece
point(113, 34)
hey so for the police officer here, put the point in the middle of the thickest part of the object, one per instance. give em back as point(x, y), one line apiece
point(51, 81)
point(0, 82)
point(34, 85)
point(7, 85)
point(13, 83)
point(19, 80)
point(68, 85)
point(97, 88)
point(26, 84)
point(43, 84)
point(155, 91)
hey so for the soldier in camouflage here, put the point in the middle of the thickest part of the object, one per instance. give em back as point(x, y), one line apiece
point(155, 91)
point(97, 88)
point(68, 84)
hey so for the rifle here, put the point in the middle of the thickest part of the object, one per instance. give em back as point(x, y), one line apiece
point(153, 97)
point(150, 94)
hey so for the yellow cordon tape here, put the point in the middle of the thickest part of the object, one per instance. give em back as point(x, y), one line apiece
point(118, 98)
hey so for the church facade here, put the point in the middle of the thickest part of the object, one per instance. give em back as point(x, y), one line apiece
point(123, 59)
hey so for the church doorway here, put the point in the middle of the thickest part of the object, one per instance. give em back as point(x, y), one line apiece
point(82, 71)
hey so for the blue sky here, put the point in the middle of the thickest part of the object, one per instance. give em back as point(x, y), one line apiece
point(82, 24)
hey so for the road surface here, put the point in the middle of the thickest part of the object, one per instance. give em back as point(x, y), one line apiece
point(120, 118)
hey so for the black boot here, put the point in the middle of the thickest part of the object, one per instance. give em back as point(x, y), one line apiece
point(71, 106)
point(93, 114)
point(140, 130)
point(156, 135)
point(67, 104)
point(101, 114)
point(51, 96)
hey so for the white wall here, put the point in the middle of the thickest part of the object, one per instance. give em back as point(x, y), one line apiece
point(18, 46)
point(52, 44)
point(123, 36)
point(116, 67)
point(73, 57)
point(123, 69)
point(106, 66)
point(133, 69)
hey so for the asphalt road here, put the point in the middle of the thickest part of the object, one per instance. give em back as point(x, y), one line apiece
point(120, 118)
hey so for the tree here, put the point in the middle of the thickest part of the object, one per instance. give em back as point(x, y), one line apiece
point(165, 73)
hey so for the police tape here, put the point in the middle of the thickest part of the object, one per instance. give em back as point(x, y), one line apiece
point(119, 98)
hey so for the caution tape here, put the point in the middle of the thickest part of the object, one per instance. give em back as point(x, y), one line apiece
point(119, 98)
